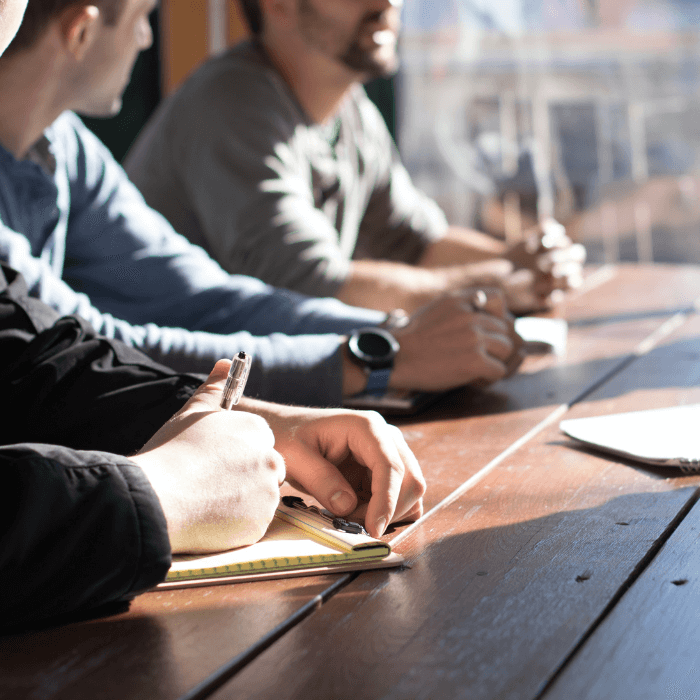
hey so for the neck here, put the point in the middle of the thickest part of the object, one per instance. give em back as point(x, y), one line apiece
point(319, 84)
point(29, 99)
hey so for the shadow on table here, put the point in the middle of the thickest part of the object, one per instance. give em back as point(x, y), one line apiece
point(483, 594)
point(604, 378)
point(652, 470)
point(483, 612)
point(100, 656)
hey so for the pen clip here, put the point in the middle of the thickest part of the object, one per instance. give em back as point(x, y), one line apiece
point(337, 522)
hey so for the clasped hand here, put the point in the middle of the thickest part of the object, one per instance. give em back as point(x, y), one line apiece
point(546, 263)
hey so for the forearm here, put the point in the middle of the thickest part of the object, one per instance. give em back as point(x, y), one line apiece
point(298, 369)
point(462, 246)
point(386, 286)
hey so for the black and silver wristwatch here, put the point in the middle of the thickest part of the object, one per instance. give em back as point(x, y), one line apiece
point(374, 349)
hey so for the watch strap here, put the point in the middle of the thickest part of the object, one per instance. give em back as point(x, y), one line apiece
point(378, 381)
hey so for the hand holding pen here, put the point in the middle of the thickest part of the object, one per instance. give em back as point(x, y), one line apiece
point(205, 461)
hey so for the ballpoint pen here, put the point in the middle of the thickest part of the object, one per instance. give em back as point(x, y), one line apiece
point(235, 382)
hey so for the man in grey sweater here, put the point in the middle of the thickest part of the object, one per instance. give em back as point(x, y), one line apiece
point(273, 159)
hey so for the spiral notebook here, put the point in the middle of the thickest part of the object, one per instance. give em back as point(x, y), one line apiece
point(297, 543)
point(664, 437)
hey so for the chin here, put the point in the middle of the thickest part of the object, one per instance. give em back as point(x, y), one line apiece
point(371, 65)
point(103, 111)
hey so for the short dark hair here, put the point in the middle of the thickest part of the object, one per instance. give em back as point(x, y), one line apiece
point(39, 14)
point(253, 15)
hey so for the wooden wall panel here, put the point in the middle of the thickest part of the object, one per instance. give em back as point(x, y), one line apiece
point(191, 31)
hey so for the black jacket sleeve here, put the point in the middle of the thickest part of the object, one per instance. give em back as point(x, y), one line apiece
point(64, 384)
point(80, 529)
point(81, 525)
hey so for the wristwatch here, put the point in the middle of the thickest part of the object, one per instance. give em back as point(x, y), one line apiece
point(374, 349)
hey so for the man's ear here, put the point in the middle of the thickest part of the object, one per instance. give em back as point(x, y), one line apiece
point(79, 24)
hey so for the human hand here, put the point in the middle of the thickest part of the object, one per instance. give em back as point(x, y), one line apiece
point(455, 341)
point(352, 462)
point(546, 263)
point(215, 472)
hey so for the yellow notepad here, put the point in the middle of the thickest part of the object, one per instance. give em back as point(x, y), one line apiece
point(297, 543)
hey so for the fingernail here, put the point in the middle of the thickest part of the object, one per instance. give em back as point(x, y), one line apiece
point(381, 525)
point(341, 501)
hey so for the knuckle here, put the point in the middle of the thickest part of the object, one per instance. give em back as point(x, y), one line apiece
point(418, 485)
point(372, 420)
point(396, 431)
point(398, 468)
point(277, 465)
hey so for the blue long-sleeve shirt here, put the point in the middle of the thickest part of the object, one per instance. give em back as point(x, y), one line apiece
point(86, 242)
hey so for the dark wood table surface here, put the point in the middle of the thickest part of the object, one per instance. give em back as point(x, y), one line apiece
point(540, 570)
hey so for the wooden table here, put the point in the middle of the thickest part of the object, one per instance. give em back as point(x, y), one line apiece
point(540, 570)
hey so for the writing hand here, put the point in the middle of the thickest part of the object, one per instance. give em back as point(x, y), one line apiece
point(216, 473)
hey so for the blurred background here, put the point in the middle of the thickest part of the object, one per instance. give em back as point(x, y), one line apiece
point(506, 111)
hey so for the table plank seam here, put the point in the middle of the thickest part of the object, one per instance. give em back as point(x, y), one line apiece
point(483, 472)
point(643, 564)
point(225, 672)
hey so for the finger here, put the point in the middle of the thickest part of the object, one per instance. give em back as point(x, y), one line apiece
point(414, 514)
point(413, 486)
point(553, 233)
point(498, 345)
point(490, 369)
point(484, 322)
point(490, 300)
point(574, 253)
point(567, 270)
point(374, 445)
point(279, 466)
point(545, 284)
point(320, 478)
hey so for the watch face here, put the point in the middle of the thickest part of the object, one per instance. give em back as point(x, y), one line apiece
point(373, 344)
point(373, 347)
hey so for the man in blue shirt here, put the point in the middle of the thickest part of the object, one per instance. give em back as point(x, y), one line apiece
point(85, 241)
point(84, 525)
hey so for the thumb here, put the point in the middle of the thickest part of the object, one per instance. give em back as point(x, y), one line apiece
point(210, 392)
